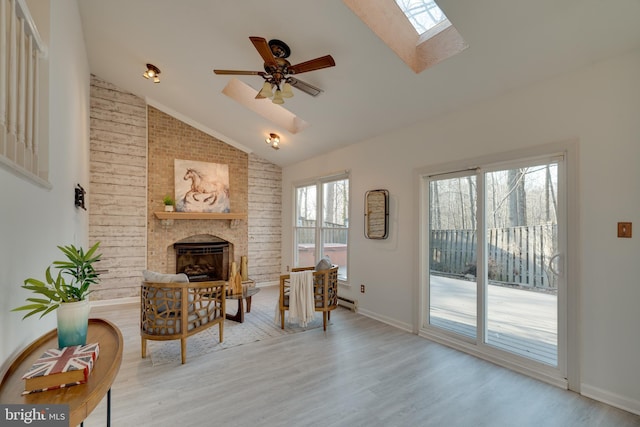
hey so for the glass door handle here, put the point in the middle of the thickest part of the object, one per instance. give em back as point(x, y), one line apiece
point(551, 261)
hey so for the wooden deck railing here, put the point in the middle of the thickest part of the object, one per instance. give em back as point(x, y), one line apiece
point(332, 233)
point(516, 255)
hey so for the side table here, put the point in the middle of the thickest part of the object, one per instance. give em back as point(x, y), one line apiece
point(247, 293)
point(83, 398)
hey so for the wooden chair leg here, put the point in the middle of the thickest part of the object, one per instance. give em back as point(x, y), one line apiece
point(144, 348)
point(183, 349)
point(221, 331)
point(281, 319)
point(324, 320)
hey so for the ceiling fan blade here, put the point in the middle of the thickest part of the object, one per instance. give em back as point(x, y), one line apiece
point(240, 73)
point(305, 87)
point(314, 64)
point(264, 50)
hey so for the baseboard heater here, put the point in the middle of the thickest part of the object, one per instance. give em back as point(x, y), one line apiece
point(348, 303)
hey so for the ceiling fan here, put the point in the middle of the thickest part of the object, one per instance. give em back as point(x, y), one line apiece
point(278, 72)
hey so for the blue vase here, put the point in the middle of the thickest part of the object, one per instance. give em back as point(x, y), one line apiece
point(73, 321)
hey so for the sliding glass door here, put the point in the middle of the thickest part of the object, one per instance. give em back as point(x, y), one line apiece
point(453, 254)
point(495, 258)
point(522, 246)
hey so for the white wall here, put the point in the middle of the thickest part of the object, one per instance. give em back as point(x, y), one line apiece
point(600, 107)
point(33, 220)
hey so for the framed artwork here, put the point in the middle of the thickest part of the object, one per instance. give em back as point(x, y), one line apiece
point(201, 186)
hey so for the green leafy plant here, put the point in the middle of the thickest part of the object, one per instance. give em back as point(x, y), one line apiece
point(55, 290)
point(168, 200)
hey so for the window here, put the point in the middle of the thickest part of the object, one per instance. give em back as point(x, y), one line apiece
point(322, 222)
point(423, 14)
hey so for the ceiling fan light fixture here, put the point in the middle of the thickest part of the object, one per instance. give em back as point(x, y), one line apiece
point(277, 97)
point(287, 92)
point(266, 90)
point(278, 70)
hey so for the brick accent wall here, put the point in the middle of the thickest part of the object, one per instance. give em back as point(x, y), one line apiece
point(171, 139)
point(133, 147)
point(265, 220)
point(117, 194)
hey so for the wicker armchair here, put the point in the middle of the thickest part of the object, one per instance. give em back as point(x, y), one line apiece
point(162, 316)
point(325, 292)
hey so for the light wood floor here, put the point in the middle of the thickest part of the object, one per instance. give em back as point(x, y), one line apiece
point(359, 373)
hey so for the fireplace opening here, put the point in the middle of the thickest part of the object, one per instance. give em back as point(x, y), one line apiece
point(203, 261)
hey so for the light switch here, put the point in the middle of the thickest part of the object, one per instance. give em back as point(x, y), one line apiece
point(624, 229)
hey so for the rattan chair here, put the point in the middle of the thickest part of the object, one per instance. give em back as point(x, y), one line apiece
point(325, 292)
point(162, 316)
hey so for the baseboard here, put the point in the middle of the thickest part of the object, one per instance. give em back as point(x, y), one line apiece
point(610, 398)
point(389, 321)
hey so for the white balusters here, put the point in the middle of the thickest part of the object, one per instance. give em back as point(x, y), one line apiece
point(20, 50)
point(12, 69)
point(3, 75)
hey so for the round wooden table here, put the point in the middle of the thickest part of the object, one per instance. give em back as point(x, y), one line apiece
point(83, 398)
point(246, 295)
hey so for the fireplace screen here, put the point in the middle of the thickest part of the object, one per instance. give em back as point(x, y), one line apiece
point(203, 261)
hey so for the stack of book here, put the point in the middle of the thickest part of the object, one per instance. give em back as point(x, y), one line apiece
point(58, 368)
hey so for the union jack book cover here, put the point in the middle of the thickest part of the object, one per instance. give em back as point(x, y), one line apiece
point(58, 368)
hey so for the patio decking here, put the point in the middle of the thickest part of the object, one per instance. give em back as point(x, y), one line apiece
point(519, 321)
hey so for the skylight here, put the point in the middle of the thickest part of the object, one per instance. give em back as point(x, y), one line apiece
point(423, 14)
point(395, 22)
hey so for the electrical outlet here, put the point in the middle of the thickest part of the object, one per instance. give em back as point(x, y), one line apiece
point(287, 268)
point(624, 229)
point(362, 289)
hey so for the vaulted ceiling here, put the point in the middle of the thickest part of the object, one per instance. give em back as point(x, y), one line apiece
point(370, 91)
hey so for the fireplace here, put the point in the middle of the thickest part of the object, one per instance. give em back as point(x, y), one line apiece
point(203, 261)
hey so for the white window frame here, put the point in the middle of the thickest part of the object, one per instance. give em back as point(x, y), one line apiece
point(319, 244)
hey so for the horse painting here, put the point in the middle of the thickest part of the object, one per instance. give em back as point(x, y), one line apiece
point(207, 192)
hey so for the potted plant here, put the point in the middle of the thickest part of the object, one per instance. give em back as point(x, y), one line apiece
point(68, 297)
point(168, 203)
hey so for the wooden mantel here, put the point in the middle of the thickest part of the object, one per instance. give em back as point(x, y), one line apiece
point(201, 215)
point(233, 217)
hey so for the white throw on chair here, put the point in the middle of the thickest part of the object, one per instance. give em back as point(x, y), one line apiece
point(301, 308)
point(324, 289)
